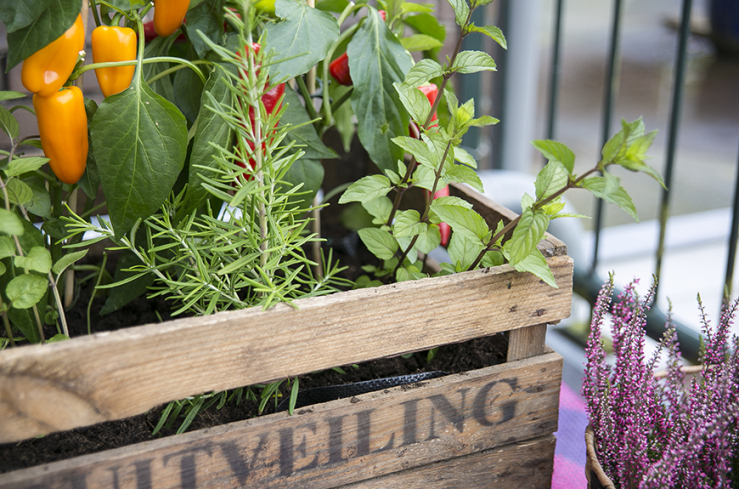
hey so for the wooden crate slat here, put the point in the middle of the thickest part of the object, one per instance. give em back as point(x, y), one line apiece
point(527, 464)
point(335, 443)
point(115, 375)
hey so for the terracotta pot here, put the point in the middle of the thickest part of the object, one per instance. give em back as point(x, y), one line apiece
point(597, 479)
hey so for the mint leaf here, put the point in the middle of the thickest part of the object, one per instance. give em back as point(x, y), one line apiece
point(462, 220)
point(7, 247)
point(527, 234)
point(429, 239)
point(414, 101)
point(10, 223)
point(410, 272)
point(461, 11)
point(556, 151)
point(26, 290)
point(473, 62)
point(553, 177)
point(419, 149)
point(465, 174)
point(463, 251)
point(492, 32)
point(379, 209)
point(379, 242)
point(464, 157)
point(9, 123)
point(37, 259)
point(453, 201)
point(366, 189)
point(422, 72)
point(19, 192)
point(407, 223)
point(602, 188)
point(67, 260)
point(24, 165)
point(536, 263)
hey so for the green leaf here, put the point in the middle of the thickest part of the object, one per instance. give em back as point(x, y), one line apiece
point(379, 242)
point(7, 247)
point(407, 223)
point(473, 62)
point(211, 129)
point(422, 72)
point(17, 15)
point(420, 42)
point(38, 260)
point(57, 338)
point(429, 239)
point(337, 6)
point(65, 261)
point(9, 123)
point(453, 201)
point(343, 117)
point(425, 177)
point(19, 193)
point(55, 227)
point(612, 148)
point(410, 272)
point(301, 40)
point(366, 188)
point(553, 177)
point(24, 165)
point(483, 121)
point(90, 181)
point(556, 151)
point(463, 251)
point(207, 17)
point(425, 23)
point(376, 61)
point(26, 290)
point(615, 194)
point(536, 263)
point(9, 94)
point(465, 174)
point(10, 223)
point(49, 25)
point(140, 140)
point(188, 88)
point(414, 101)
point(305, 137)
point(379, 209)
point(310, 174)
point(461, 11)
point(419, 149)
point(464, 157)
point(3, 269)
point(492, 32)
point(125, 293)
point(462, 220)
point(529, 231)
point(492, 259)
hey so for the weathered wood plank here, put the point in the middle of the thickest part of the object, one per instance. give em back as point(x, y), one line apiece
point(334, 443)
point(527, 464)
point(115, 375)
point(526, 342)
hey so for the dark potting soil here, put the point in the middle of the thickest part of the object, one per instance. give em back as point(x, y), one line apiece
point(452, 359)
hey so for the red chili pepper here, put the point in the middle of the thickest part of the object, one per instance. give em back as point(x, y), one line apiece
point(150, 34)
point(270, 100)
point(444, 228)
point(431, 91)
point(339, 68)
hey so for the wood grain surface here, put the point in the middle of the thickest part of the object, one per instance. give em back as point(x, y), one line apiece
point(348, 440)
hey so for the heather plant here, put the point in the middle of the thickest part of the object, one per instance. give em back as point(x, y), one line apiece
point(661, 431)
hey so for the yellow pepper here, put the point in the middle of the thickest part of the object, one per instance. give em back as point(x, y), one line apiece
point(62, 124)
point(168, 15)
point(46, 70)
point(111, 44)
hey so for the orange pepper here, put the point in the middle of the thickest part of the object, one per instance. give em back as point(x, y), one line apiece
point(111, 44)
point(46, 70)
point(168, 15)
point(62, 124)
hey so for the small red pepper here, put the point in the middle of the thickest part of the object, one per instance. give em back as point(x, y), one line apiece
point(339, 68)
point(150, 33)
point(270, 100)
point(444, 228)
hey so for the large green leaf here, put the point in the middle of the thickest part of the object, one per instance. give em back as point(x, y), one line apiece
point(310, 174)
point(376, 61)
point(211, 129)
point(50, 24)
point(26, 290)
point(529, 231)
point(40, 203)
point(17, 15)
point(462, 220)
point(305, 136)
point(207, 17)
point(301, 39)
point(140, 141)
point(188, 88)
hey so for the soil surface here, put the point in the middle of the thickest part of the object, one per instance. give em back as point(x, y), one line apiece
point(114, 434)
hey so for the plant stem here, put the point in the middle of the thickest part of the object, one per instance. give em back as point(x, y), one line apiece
point(8, 329)
point(95, 290)
point(307, 97)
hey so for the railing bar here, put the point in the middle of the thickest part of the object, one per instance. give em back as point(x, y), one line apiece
point(733, 237)
point(677, 98)
point(554, 78)
point(610, 99)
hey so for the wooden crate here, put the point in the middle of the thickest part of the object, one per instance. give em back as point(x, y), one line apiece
point(485, 428)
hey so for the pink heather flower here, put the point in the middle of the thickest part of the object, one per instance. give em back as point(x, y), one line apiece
point(652, 433)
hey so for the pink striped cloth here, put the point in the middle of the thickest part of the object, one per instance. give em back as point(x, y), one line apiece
point(569, 455)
